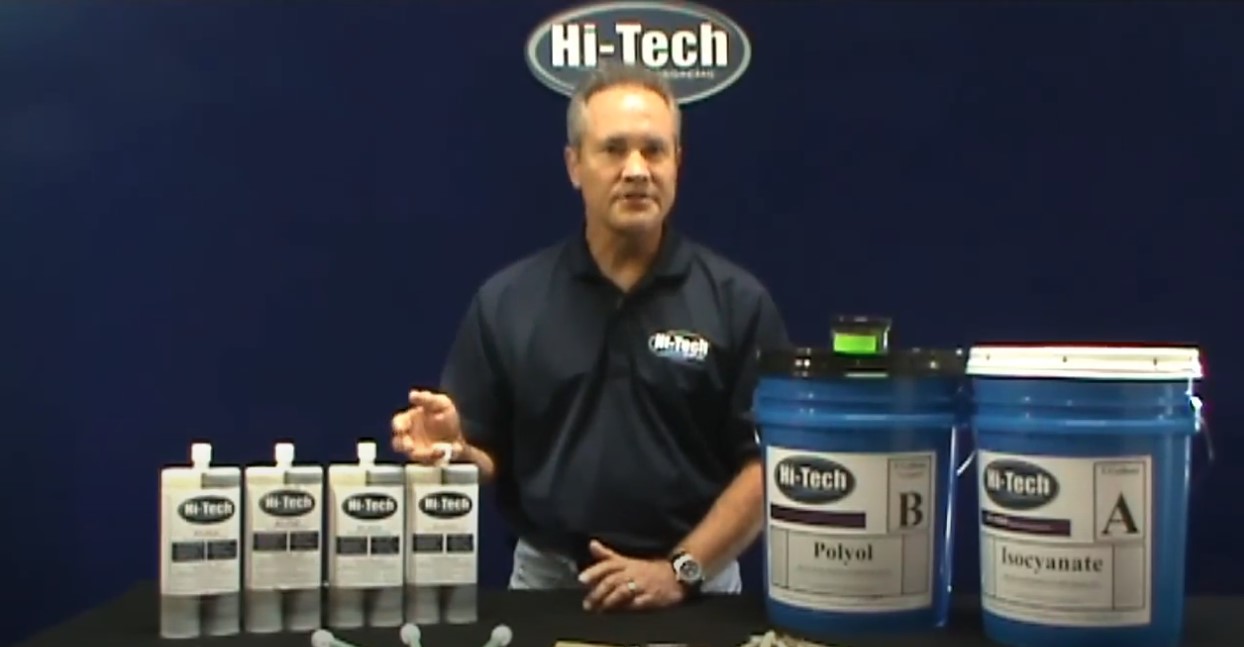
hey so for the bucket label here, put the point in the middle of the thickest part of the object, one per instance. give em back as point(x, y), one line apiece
point(850, 532)
point(1066, 541)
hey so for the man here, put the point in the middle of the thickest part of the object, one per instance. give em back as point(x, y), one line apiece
point(604, 383)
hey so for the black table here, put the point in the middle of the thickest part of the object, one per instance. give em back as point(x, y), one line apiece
point(539, 619)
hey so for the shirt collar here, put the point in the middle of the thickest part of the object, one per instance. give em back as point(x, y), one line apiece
point(673, 258)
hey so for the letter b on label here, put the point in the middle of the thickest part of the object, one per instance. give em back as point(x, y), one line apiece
point(911, 512)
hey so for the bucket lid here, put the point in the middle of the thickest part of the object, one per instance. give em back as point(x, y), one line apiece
point(1114, 362)
point(860, 347)
point(828, 362)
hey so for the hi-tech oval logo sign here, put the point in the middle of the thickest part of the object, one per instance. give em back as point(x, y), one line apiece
point(445, 505)
point(700, 51)
point(287, 503)
point(205, 510)
point(1018, 485)
point(813, 479)
point(370, 506)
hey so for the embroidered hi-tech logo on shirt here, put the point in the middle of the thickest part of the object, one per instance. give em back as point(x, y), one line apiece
point(679, 346)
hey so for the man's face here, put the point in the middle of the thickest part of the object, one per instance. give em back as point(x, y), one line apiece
point(627, 162)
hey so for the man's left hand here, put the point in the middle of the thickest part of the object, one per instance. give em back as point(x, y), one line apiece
point(616, 581)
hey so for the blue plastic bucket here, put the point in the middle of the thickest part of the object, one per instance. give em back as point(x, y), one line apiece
point(859, 460)
point(1083, 455)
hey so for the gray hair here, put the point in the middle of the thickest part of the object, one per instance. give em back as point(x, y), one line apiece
point(609, 75)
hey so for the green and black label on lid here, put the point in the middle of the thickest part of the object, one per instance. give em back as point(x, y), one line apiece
point(861, 348)
point(860, 335)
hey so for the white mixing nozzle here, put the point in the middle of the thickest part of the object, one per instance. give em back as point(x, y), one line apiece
point(501, 636)
point(768, 639)
point(201, 455)
point(410, 634)
point(284, 454)
point(367, 453)
point(325, 638)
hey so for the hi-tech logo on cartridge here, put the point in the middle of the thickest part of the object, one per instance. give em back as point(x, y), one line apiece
point(370, 507)
point(206, 509)
point(445, 505)
point(699, 50)
point(1019, 485)
point(813, 480)
point(287, 503)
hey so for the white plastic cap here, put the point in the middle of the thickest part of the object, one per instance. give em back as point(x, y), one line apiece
point(284, 454)
point(367, 452)
point(446, 450)
point(502, 635)
point(201, 455)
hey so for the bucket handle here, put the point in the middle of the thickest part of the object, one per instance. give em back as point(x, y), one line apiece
point(1202, 426)
point(967, 462)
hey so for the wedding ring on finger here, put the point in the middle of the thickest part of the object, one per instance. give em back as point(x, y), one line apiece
point(631, 587)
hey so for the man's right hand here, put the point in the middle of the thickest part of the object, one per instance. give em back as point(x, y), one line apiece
point(431, 419)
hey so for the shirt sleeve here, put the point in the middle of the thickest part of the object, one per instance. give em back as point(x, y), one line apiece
point(765, 329)
point(474, 378)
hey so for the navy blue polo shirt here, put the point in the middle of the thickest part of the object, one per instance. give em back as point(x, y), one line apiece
point(611, 415)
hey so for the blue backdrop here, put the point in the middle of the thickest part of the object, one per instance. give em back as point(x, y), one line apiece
point(250, 221)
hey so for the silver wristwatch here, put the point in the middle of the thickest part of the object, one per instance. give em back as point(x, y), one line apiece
point(687, 570)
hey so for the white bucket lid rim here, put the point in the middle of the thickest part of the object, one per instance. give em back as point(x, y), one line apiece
point(1106, 362)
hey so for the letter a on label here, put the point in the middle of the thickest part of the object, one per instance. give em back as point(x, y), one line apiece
point(1120, 519)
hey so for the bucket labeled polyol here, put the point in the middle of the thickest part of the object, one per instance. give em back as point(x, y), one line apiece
point(1083, 455)
point(859, 449)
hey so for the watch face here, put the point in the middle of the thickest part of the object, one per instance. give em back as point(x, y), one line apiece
point(689, 570)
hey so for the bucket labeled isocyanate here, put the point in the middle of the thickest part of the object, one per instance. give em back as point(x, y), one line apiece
point(859, 447)
point(1083, 455)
